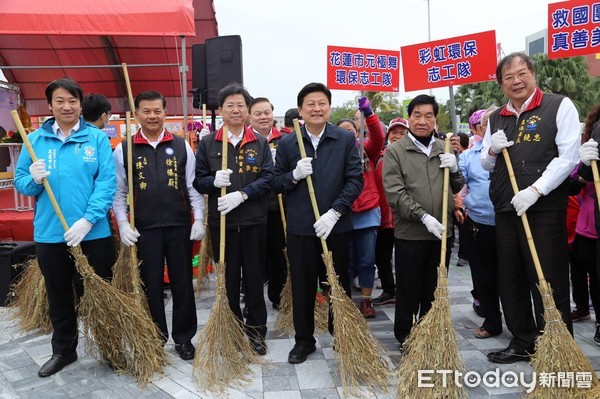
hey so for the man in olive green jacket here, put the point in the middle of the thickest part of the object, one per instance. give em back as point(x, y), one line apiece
point(413, 177)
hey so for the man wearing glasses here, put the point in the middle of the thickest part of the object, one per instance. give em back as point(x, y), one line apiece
point(541, 132)
point(250, 168)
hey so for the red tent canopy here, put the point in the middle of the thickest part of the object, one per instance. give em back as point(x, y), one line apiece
point(70, 38)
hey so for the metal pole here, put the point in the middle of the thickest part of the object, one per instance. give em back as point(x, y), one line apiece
point(84, 66)
point(453, 111)
point(429, 35)
point(361, 138)
point(184, 87)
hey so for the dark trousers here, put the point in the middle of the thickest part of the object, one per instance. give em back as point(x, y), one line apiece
point(416, 278)
point(243, 248)
point(582, 256)
point(172, 243)
point(58, 267)
point(306, 265)
point(517, 276)
point(383, 259)
point(463, 241)
point(482, 257)
point(275, 263)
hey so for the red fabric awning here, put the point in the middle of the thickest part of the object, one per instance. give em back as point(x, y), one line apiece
point(102, 32)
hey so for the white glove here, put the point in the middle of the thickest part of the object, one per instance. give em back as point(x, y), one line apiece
point(588, 151)
point(222, 178)
point(38, 171)
point(273, 153)
point(499, 141)
point(325, 224)
point(433, 226)
point(524, 199)
point(303, 169)
point(128, 236)
point(198, 230)
point(448, 161)
point(77, 232)
point(229, 202)
point(204, 132)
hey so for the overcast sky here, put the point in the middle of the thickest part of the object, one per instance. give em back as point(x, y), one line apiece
point(285, 41)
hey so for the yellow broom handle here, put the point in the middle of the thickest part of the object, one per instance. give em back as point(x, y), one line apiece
point(445, 203)
point(203, 116)
point(282, 212)
point(596, 175)
point(224, 151)
point(311, 189)
point(129, 92)
point(534, 254)
point(130, 169)
point(34, 158)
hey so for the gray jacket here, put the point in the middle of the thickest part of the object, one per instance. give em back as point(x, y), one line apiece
point(413, 184)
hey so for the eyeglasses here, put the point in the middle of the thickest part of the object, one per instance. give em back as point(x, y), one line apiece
point(231, 106)
point(520, 75)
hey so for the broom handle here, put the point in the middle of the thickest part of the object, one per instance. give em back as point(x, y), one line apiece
point(203, 116)
point(311, 189)
point(224, 151)
point(282, 212)
point(596, 175)
point(129, 92)
point(34, 158)
point(445, 203)
point(534, 254)
point(130, 170)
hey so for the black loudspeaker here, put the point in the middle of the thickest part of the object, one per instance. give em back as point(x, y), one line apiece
point(200, 91)
point(12, 253)
point(223, 65)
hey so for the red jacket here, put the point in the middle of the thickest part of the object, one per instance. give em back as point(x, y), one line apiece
point(387, 215)
point(369, 196)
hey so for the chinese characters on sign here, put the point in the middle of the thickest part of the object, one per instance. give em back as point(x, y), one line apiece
point(447, 62)
point(573, 28)
point(350, 68)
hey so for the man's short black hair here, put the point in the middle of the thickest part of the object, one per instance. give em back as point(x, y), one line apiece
point(94, 105)
point(149, 95)
point(230, 90)
point(313, 88)
point(290, 115)
point(261, 100)
point(66, 83)
point(423, 99)
point(509, 59)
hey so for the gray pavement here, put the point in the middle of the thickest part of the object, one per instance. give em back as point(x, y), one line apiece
point(21, 355)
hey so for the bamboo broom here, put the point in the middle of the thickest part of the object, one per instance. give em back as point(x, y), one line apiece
point(223, 353)
point(31, 300)
point(117, 327)
point(556, 350)
point(126, 271)
point(431, 344)
point(363, 360)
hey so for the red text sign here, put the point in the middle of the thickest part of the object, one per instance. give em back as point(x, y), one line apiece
point(573, 28)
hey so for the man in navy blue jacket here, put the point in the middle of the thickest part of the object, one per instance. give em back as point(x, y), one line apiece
point(333, 161)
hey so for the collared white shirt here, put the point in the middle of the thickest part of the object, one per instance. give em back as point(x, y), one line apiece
point(233, 139)
point(315, 139)
point(567, 141)
point(426, 150)
point(120, 201)
point(60, 134)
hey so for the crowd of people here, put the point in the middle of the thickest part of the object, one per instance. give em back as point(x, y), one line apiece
point(379, 191)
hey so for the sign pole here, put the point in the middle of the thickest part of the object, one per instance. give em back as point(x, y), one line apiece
point(453, 111)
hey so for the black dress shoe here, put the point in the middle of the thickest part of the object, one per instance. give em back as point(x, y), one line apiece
point(56, 363)
point(186, 351)
point(259, 346)
point(300, 352)
point(508, 355)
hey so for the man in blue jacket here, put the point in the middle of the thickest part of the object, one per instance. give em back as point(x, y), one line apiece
point(333, 161)
point(77, 161)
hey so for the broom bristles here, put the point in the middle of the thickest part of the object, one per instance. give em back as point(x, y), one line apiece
point(363, 360)
point(223, 352)
point(285, 317)
point(204, 259)
point(117, 327)
point(431, 345)
point(321, 313)
point(31, 300)
point(557, 352)
point(126, 275)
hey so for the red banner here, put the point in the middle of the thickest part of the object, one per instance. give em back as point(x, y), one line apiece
point(455, 61)
point(350, 68)
point(573, 28)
